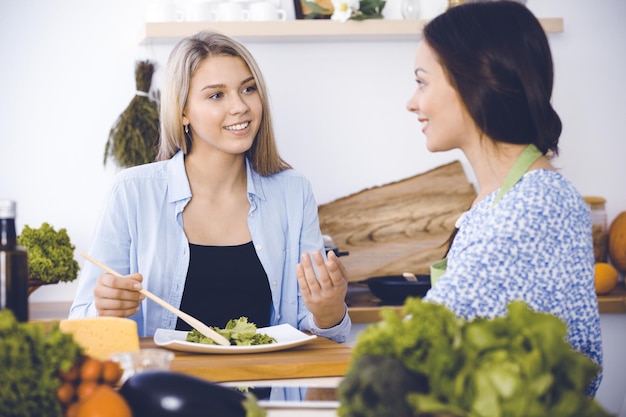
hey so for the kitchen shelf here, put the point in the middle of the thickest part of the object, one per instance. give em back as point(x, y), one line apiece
point(613, 302)
point(307, 30)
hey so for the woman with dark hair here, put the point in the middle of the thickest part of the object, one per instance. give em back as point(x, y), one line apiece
point(220, 227)
point(484, 77)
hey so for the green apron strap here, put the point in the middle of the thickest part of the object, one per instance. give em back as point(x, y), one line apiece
point(525, 160)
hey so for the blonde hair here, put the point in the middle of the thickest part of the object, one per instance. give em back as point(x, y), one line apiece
point(184, 60)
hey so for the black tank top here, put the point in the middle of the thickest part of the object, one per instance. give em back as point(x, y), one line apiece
point(224, 283)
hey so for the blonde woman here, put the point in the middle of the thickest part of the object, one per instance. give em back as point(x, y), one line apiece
point(220, 226)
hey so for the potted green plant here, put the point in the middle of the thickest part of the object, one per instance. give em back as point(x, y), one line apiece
point(50, 256)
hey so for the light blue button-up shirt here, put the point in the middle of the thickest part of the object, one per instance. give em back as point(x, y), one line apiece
point(141, 230)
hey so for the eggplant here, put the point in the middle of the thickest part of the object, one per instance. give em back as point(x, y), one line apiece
point(157, 393)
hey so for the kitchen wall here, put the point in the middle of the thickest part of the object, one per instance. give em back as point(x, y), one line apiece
point(67, 72)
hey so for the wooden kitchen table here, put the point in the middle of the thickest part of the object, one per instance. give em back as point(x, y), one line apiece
point(320, 357)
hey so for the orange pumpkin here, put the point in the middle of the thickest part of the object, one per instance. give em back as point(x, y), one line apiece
point(104, 402)
point(617, 242)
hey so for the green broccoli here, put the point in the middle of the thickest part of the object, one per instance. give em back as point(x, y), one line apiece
point(50, 254)
point(30, 359)
point(377, 386)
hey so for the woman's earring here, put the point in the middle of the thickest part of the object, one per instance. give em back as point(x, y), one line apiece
point(187, 129)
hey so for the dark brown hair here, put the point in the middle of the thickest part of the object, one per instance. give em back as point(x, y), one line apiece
point(497, 56)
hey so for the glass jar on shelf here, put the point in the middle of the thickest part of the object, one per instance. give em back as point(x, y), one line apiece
point(599, 227)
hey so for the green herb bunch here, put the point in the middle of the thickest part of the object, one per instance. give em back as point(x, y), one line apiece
point(431, 362)
point(50, 253)
point(133, 139)
point(30, 359)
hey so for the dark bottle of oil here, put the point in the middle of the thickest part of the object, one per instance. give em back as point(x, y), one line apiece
point(13, 265)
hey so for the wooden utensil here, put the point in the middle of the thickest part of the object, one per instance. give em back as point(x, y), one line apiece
point(409, 276)
point(192, 321)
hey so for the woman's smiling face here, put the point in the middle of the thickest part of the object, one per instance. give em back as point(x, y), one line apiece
point(444, 118)
point(224, 108)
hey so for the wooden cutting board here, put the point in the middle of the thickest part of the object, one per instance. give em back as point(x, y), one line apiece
point(401, 226)
point(319, 358)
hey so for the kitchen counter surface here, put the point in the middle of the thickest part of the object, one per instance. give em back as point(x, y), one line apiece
point(364, 307)
point(320, 357)
point(613, 302)
point(320, 363)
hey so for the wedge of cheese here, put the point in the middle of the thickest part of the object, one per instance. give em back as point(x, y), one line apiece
point(103, 336)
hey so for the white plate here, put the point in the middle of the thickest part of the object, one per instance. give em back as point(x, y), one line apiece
point(286, 337)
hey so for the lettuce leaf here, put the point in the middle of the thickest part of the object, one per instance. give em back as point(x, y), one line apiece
point(517, 365)
point(239, 332)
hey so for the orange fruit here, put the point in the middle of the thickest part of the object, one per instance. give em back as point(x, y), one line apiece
point(90, 369)
point(72, 410)
point(104, 402)
point(71, 375)
point(111, 372)
point(66, 393)
point(617, 242)
point(606, 277)
point(86, 389)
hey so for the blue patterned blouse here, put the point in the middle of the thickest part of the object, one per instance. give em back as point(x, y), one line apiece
point(533, 245)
